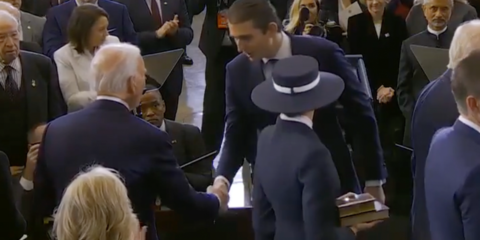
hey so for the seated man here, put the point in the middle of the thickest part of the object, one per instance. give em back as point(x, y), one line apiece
point(187, 140)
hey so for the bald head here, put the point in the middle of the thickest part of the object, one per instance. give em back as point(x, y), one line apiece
point(465, 40)
point(8, 7)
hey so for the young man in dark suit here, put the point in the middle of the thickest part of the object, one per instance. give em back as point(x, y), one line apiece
point(452, 169)
point(290, 155)
point(256, 29)
point(186, 139)
point(56, 26)
point(436, 109)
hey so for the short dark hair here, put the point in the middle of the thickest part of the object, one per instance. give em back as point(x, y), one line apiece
point(32, 130)
point(260, 12)
point(80, 24)
point(466, 79)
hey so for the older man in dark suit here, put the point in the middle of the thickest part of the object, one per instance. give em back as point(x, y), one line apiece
point(29, 92)
point(257, 30)
point(436, 109)
point(186, 139)
point(107, 133)
point(163, 25)
point(452, 169)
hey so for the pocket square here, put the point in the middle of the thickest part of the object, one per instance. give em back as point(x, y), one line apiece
point(111, 30)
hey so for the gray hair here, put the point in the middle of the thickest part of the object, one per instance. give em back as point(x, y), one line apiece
point(465, 40)
point(113, 65)
point(424, 2)
point(8, 7)
point(80, 100)
point(465, 80)
point(8, 17)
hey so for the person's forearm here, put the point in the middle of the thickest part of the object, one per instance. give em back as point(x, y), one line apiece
point(199, 181)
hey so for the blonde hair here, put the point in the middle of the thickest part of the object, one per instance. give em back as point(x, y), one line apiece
point(96, 206)
point(295, 16)
point(465, 40)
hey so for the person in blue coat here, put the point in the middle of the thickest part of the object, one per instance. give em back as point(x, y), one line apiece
point(296, 184)
point(257, 30)
point(436, 109)
point(452, 168)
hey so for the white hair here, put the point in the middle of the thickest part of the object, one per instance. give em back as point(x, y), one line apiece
point(80, 100)
point(113, 65)
point(8, 7)
point(424, 2)
point(465, 40)
point(7, 17)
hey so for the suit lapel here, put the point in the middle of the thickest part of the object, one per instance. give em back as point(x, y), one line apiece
point(32, 88)
point(166, 10)
point(172, 132)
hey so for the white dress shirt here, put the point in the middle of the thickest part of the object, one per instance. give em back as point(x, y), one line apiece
point(301, 119)
point(114, 99)
point(27, 185)
point(437, 33)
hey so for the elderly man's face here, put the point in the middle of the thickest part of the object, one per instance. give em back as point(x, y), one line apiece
point(9, 41)
point(15, 3)
point(437, 13)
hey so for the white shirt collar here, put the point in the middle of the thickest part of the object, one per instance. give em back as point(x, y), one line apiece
point(80, 4)
point(437, 33)
point(285, 50)
point(301, 119)
point(469, 123)
point(162, 127)
point(114, 99)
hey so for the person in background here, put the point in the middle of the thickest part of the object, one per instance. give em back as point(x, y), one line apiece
point(452, 168)
point(107, 133)
point(24, 45)
point(163, 25)
point(29, 92)
point(436, 109)
point(417, 20)
point(256, 29)
point(186, 139)
point(87, 31)
point(186, 59)
point(55, 32)
point(96, 205)
point(377, 34)
point(12, 221)
point(32, 26)
point(411, 77)
point(400, 7)
point(40, 7)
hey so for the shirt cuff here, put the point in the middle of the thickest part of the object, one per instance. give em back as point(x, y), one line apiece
point(223, 180)
point(375, 183)
point(27, 185)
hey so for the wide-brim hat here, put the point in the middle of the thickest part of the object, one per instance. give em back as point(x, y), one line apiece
point(297, 86)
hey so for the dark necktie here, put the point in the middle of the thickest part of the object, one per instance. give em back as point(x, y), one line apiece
point(268, 68)
point(156, 13)
point(11, 87)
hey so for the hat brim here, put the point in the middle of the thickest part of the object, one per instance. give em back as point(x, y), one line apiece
point(327, 91)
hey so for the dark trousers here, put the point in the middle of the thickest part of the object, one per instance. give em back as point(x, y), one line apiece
point(213, 120)
point(190, 17)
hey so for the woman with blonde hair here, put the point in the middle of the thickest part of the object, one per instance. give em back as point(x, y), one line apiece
point(96, 206)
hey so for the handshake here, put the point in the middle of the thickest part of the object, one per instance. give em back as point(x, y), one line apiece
point(220, 189)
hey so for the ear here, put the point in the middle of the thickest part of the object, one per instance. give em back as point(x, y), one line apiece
point(131, 85)
point(272, 28)
point(472, 103)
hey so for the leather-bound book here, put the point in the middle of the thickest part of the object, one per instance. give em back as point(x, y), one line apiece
point(352, 204)
point(379, 213)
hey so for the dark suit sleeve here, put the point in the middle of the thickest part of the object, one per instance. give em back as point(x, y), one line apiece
point(184, 35)
point(263, 217)
point(405, 73)
point(44, 193)
point(52, 35)
point(471, 14)
point(56, 104)
point(354, 35)
point(11, 221)
point(358, 108)
point(199, 5)
point(320, 216)
point(468, 197)
point(238, 132)
point(173, 187)
point(199, 175)
point(129, 32)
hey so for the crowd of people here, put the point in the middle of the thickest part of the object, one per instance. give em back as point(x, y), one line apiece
point(89, 145)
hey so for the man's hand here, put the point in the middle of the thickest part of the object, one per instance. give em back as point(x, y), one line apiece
point(376, 192)
point(173, 26)
point(16, 170)
point(221, 191)
point(32, 157)
point(384, 94)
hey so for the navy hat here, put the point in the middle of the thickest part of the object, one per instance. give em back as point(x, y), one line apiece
point(297, 86)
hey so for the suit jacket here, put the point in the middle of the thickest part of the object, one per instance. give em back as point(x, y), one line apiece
point(30, 47)
point(74, 70)
point(244, 119)
point(44, 100)
point(55, 30)
point(381, 54)
point(290, 155)
point(12, 222)
point(411, 78)
point(145, 26)
point(452, 177)
point(140, 152)
point(330, 10)
point(32, 27)
point(37, 7)
point(188, 145)
point(435, 109)
point(461, 13)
